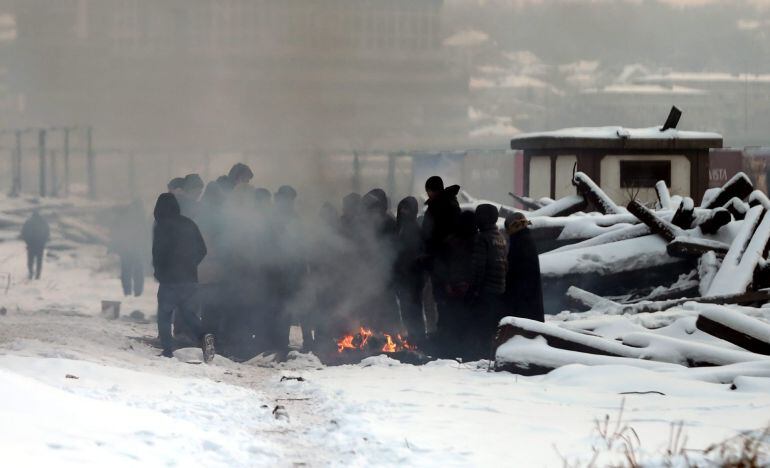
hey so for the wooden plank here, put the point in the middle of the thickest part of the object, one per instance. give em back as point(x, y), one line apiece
point(724, 332)
point(595, 195)
point(693, 247)
point(659, 226)
point(719, 217)
point(739, 186)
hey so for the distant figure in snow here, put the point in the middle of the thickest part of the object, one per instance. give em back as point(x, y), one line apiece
point(523, 288)
point(177, 250)
point(488, 283)
point(128, 239)
point(35, 234)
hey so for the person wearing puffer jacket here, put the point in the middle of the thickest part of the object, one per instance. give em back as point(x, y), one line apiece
point(489, 268)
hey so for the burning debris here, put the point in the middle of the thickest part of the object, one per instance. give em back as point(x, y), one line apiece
point(367, 340)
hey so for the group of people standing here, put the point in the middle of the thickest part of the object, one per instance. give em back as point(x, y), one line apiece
point(239, 263)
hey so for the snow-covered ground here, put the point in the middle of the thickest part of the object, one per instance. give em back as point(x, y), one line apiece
point(79, 389)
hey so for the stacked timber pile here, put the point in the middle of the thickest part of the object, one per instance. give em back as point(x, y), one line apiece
point(711, 342)
point(670, 287)
point(632, 253)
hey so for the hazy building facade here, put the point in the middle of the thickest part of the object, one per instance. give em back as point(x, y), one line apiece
point(240, 74)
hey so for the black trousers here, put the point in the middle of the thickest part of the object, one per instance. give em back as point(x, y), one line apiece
point(132, 274)
point(409, 295)
point(180, 300)
point(35, 261)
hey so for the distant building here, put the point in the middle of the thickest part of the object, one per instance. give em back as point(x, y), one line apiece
point(626, 163)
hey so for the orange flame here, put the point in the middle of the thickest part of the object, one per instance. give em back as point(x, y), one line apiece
point(360, 339)
point(389, 346)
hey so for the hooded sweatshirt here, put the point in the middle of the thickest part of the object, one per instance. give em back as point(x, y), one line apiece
point(177, 245)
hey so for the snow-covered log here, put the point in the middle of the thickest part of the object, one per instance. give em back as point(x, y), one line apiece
point(738, 266)
point(562, 207)
point(588, 300)
point(685, 352)
point(739, 186)
point(751, 297)
point(689, 247)
point(658, 225)
point(737, 207)
point(77, 230)
point(595, 195)
point(525, 356)
point(562, 338)
point(664, 196)
point(708, 265)
point(758, 198)
point(684, 217)
point(719, 217)
point(526, 202)
point(731, 325)
point(628, 232)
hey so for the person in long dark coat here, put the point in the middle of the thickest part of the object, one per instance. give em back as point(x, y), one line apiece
point(128, 239)
point(408, 272)
point(177, 250)
point(287, 269)
point(523, 287)
point(456, 314)
point(439, 222)
point(35, 233)
point(488, 283)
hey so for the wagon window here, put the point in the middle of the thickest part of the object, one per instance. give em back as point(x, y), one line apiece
point(644, 174)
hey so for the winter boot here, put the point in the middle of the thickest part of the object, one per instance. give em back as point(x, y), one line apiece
point(207, 346)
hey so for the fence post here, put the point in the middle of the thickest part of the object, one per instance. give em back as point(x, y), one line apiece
point(42, 161)
point(16, 169)
point(90, 163)
point(66, 162)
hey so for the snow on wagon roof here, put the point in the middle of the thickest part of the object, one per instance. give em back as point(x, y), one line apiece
point(615, 137)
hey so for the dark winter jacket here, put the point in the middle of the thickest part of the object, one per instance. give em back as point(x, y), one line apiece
point(382, 223)
point(440, 220)
point(177, 244)
point(409, 241)
point(35, 232)
point(489, 260)
point(459, 266)
point(524, 291)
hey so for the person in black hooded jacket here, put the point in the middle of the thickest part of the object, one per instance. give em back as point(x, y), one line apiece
point(441, 215)
point(523, 288)
point(408, 271)
point(177, 249)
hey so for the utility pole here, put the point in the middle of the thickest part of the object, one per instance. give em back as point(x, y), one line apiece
point(356, 173)
point(90, 163)
point(67, 161)
point(392, 175)
point(16, 166)
point(42, 162)
point(54, 175)
point(132, 174)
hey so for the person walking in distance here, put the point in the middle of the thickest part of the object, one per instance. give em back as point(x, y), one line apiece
point(35, 233)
